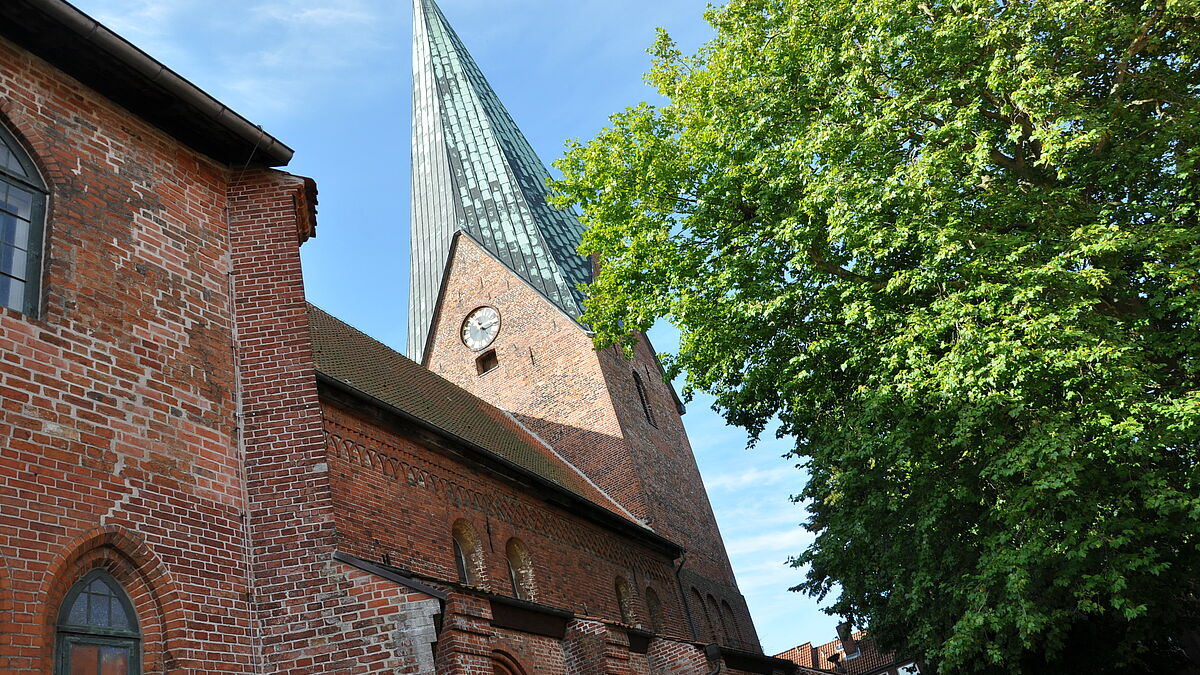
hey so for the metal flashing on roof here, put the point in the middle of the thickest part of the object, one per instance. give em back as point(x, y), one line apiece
point(81, 47)
point(391, 574)
point(474, 171)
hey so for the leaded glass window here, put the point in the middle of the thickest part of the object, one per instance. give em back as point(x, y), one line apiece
point(97, 629)
point(22, 213)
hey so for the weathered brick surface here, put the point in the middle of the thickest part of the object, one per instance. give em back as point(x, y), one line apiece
point(116, 419)
point(666, 656)
point(396, 625)
point(548, 373)
point(159, 416)
point(396, 497)
point(160, 419)
point(585, 403)
point(314, 616)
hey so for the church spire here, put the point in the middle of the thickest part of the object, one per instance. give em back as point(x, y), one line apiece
point(473, 171)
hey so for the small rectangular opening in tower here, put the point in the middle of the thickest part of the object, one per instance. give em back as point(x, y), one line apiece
point(486, 361)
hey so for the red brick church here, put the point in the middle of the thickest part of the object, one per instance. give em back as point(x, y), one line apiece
point(202, 473)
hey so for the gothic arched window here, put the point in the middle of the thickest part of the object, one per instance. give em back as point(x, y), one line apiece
point(22, 219)
point(731, 621)
point(710, 630)
point(97, 629)
point(718, 619)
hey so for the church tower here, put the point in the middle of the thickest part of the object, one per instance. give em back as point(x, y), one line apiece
point(495, 307)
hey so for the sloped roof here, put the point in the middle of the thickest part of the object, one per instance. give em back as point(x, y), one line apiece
point(474, 171)
point(352, 357)
point(80, 46)
point(869, 661)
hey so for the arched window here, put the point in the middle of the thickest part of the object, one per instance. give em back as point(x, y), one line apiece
point(625, 602)
point(641, 392)
point(22, 219)
point(97, 629)
point(520, 569)
point(468, 553)
point(504, 664)
point(654, 607)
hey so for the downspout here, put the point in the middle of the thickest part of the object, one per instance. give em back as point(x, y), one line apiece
point(712, 651)
point(251, 598)
point(687, 611)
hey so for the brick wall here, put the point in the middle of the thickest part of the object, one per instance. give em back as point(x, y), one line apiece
point(116, 401)
point(547, 374)
point(159, 419)
point(585, 403)
point(394, 496)
point(315, 614)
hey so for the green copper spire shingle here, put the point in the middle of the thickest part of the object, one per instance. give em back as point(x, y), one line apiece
point(473, 170)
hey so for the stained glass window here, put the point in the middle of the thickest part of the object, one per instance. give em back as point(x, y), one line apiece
point(97, 629)
point(22, 210)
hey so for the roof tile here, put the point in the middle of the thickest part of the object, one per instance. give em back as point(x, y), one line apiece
point(348, 355)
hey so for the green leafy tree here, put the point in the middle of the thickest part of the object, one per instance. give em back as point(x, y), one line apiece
point(952, 248)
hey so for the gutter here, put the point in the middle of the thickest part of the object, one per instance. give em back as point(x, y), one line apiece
point(154, 72)
point(687, 610)
point(588, 509)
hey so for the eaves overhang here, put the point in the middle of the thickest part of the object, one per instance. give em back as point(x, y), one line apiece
point(753, 662)
point(81, 47)
point(505, 469)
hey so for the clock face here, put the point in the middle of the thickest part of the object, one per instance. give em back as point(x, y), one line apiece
point(480, 328)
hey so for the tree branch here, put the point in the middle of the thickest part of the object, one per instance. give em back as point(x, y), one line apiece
point(1123, 66)
point(1136, 46)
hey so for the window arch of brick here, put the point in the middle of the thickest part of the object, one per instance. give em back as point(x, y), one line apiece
point(148, 584)
point(98, 629)
point(624, 601)
point(468, 553)
point(503, 663)
point(645, 401)
point(731, 622)
point(23, 196)
point(520, 569)
point(654, 608)
point(709, 628)
point(714, 611)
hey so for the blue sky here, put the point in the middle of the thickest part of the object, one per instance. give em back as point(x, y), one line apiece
point(331, 79)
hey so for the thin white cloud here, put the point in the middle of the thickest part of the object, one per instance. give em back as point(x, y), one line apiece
point(266, 58)
point(314, 48)
point(319, 15)
point(148, 24)
point(753, 476)
point(791, 540)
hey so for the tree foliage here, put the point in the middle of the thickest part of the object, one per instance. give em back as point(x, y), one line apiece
point(952, 247)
